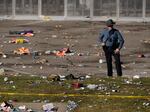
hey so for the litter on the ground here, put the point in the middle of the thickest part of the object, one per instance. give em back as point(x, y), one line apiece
point(19, 41)
point(71, 106)
point(2, 71)
point(5, 79)
point(92, 86)
point(22, 51)
point(60, 53)
point(101, 61)
point(145, 41)
point(49, 107)
point(6, 107)
point(28, 35)
point(4, 56)
point(141, 56)
point(63, 52)
point(42, 61)
point(136, 77)
point(77, 85)
point(35, 54)
point(23, 107)
point(25, 33)
point(21, 32)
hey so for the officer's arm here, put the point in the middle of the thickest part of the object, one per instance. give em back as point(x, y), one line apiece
point(120, 39)
point(101, 36)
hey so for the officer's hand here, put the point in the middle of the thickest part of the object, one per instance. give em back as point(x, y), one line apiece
point(117, 51)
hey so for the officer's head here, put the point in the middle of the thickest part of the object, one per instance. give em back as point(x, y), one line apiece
point(110, 23)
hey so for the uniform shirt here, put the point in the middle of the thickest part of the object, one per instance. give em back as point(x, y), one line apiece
point(111, 37)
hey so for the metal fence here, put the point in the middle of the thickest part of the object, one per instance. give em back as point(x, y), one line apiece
point(127, 10)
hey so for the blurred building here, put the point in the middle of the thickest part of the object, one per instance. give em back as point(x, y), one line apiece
point(126, 10)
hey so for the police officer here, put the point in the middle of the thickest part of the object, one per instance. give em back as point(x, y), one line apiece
point(112, 42)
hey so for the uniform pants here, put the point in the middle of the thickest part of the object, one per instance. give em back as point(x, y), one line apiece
point(109, 52)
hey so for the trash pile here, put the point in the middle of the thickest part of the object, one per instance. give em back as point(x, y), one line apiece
point(6, 107)
point(60, 53)
point(50, 108)
point(41, 61)
point(9, 107)
point(63, 52)
point(145, 41)
point(22, 51)
point(71, 106)
point(26, 33)
point(69, 77)
point(78, 83)
point(29, 33)
point(19, 41)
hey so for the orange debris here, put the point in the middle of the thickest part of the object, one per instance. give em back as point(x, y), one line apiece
point(28, 34)
point(62, 52)
point(22, 50)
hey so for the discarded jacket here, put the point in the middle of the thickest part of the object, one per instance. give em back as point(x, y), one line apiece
point(21, 32)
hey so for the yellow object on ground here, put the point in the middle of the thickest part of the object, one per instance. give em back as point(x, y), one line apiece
point(19, 41)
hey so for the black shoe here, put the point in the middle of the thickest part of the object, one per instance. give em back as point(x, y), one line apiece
point(119, 75)
point(109, 75)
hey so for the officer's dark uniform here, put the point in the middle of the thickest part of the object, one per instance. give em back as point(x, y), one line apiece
point(112, 40)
